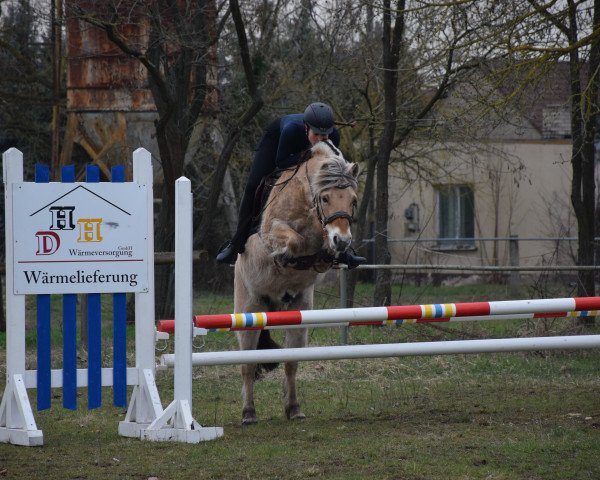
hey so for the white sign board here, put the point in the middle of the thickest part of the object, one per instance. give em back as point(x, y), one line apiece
point(80, 238)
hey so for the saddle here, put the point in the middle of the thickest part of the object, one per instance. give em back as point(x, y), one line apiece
point(261, 196)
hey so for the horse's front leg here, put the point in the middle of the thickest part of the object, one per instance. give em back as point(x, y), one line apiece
point(284, 241)
point(295, 338)
point(248, 340)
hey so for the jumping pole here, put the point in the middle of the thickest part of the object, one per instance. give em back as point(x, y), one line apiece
point(398, 315)
point(502, 345)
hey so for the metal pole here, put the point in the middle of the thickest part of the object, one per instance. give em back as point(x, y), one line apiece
point(390, 350)
point(482, 268)
point(343, 303)
point(515, 277)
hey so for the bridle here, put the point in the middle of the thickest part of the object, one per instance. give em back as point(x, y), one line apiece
point(334, 216)
point(317, 203)
point(322, 256)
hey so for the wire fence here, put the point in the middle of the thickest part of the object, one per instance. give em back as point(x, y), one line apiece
point(462, 255)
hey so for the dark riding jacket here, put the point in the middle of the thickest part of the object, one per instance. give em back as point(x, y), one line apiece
point(292, 140)
point(280, 147)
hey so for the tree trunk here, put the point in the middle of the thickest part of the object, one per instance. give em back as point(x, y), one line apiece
point(584, 111)
point(164, 241)
point(361, 224)
point(367, 195)
point(383, 287)
point(257, 102)
point(392, 39)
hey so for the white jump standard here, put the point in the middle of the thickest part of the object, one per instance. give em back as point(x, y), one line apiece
point(177, 422)
point(145, 418)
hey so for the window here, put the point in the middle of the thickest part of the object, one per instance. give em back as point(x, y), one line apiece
point(456, 216)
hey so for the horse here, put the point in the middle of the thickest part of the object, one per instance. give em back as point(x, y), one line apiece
point(305, 225)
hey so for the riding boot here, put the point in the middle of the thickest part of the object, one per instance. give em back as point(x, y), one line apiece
point(350, 259)
point(227, 254)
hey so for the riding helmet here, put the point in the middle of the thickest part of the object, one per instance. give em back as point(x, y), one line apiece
point(319, 117)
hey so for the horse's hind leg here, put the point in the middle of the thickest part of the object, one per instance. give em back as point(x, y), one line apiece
point(295, 338)
point(248, 341)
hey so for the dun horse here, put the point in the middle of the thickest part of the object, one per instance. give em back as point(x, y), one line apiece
point(305, 226)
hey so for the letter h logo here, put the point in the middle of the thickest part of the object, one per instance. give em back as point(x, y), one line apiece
point(62, 218)
point(89, 230)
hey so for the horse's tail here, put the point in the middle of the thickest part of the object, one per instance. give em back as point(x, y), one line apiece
point(265, 342)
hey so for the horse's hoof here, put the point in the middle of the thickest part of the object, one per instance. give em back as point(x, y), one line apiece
point(294, 413)
point(249, 417)
point(249, 421)
point(297, 416)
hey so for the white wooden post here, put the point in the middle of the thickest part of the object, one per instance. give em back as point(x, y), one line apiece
point(145, 405)
point(176, 422)
point(17, 423)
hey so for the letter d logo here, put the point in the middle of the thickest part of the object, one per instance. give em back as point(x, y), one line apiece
point(48, 243)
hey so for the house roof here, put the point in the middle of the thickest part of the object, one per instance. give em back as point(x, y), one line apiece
point(534, 89)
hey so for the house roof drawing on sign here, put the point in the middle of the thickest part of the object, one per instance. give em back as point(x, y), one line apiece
point(72, 191)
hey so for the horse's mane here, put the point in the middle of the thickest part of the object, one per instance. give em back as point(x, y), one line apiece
point(334, 172)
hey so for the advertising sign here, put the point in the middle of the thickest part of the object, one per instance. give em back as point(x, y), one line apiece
point(80, 238)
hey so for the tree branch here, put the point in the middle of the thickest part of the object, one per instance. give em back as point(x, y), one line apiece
point(235, 132)
point(243, 45)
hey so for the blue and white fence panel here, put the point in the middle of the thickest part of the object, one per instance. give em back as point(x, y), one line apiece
point(17, 421)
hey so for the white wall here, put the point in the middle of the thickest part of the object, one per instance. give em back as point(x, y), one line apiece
point(533, 189)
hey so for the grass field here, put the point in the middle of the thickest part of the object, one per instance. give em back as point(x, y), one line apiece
point(500, 416)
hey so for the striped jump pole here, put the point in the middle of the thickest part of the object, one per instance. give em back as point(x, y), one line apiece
point(397, 315)
point(168, 326)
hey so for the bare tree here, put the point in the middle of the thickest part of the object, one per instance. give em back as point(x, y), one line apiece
point(177, 57)
point(25, 94)
point(443, 44)
point(393, 35)
point(572, 30)
point(25, 84)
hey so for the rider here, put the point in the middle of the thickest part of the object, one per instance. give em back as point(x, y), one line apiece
point(281, 147)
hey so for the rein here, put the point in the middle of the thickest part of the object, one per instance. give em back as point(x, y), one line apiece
point(308, 261)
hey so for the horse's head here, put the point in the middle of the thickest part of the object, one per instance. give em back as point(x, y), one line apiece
point(333, 187)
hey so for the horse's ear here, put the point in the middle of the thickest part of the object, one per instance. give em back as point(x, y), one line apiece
point(354, 168)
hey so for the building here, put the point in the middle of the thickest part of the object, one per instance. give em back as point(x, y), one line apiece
point(501, 168)
point(110, 109)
